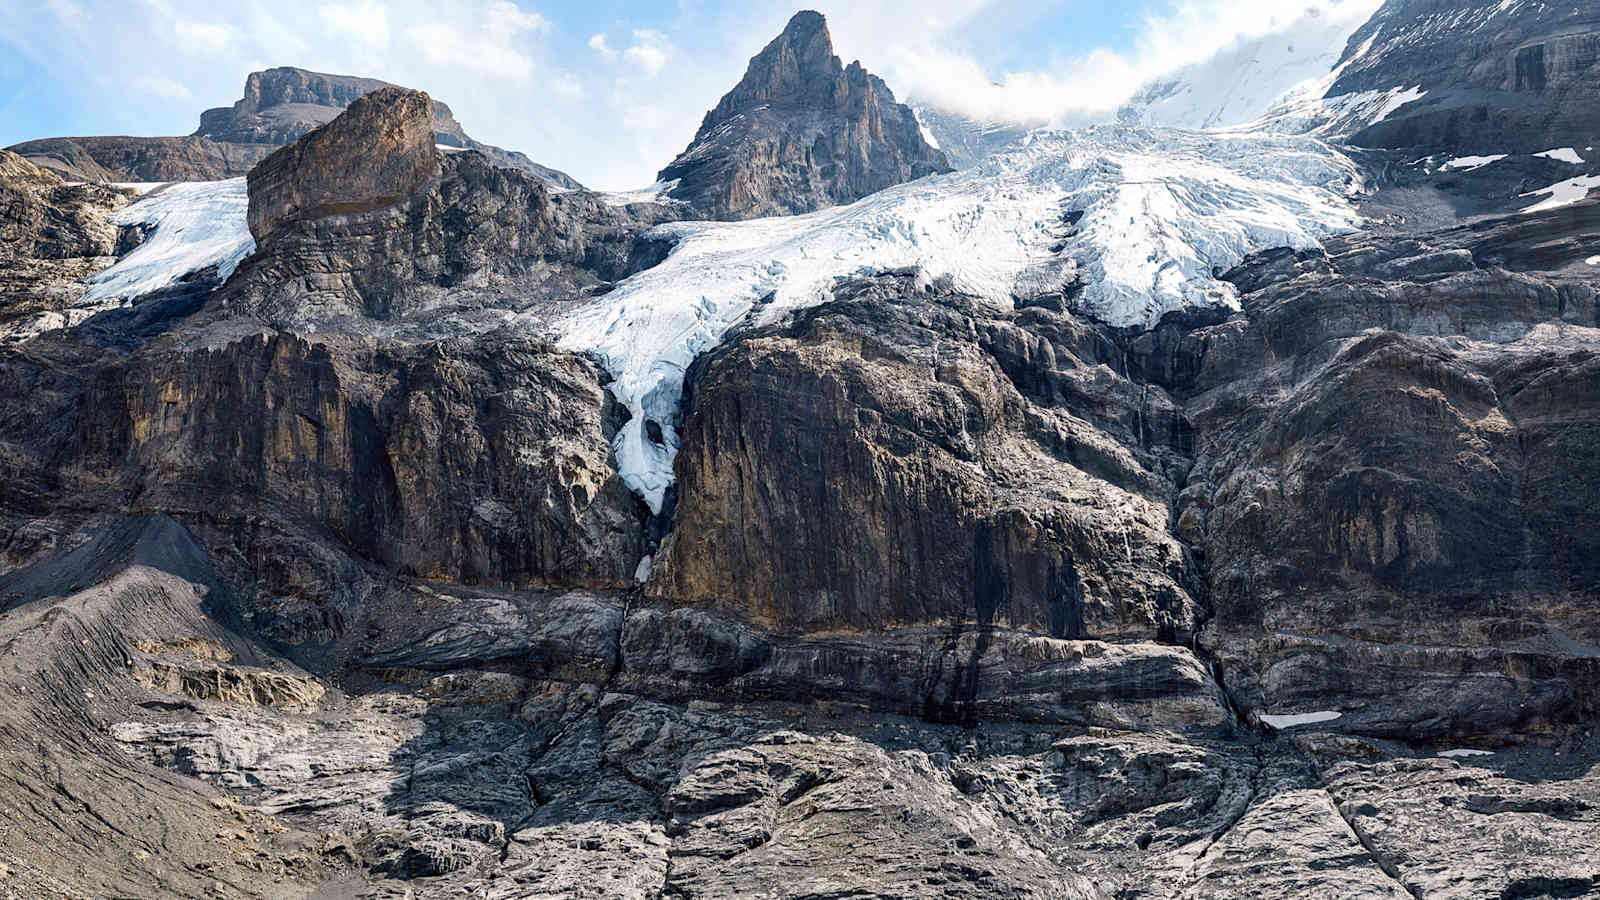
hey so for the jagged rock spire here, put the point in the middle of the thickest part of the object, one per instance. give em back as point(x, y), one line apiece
point(801, 131)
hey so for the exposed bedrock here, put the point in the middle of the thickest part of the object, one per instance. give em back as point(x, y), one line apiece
point(363, 228)
point(52, 235)
point(897, 458)
point(1494, 77)
point(1395, 481)
point(117, 158)
point(479, 463)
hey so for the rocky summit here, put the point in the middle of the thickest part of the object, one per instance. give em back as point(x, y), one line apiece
point(1141, 511)
point(800, 132)
point(279, 106)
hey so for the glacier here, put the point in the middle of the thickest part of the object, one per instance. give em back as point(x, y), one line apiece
point(194, 225)
point(1139, 217)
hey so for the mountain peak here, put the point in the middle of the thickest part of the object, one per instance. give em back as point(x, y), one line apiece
point(798, 66)
point(840, 134)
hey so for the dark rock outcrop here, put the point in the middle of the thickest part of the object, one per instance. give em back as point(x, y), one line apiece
point(1499, 77)
point(482, 463)
point(800, 132)
point(374, 155)
point(52, 234)
point(282, 104)
point(364, 224)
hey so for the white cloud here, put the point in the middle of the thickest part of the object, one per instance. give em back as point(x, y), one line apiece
point(651, 51)
point(506, 17)
point(598, 44)
point(452, 47)
point(65, 10)
point(1088, 86)
point(164, 88)
point(203, 38)
point(366, 24)
point(488, 40)
point(565, 86)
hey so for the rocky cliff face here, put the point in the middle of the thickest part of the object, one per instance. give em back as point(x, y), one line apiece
point(280, 105)
point(800, 132)
point(1404, 479)
point(1499, 77)
point(992, 468)
point(142, 159)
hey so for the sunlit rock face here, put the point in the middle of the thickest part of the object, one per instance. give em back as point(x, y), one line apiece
point(800, 132)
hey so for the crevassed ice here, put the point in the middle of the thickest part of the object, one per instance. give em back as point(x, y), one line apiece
point(1160, 210)
point(195, 225)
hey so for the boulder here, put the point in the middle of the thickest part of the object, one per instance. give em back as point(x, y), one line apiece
point(376, 154)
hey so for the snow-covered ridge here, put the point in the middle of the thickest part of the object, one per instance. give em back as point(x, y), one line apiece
point(1142, 216)
point(194, 225)
point(1244, 81)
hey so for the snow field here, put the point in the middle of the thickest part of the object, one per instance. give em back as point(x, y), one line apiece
point(195, 225)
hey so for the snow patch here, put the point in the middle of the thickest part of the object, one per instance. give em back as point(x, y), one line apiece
point(1143, 215)
point(1473, 162)
point(1564, 154)
point(195, 225)
point(1463, 752)
point(1563, 193)
point(1292, 719)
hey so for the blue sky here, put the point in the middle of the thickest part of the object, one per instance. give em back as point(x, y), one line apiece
point(608, 90)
